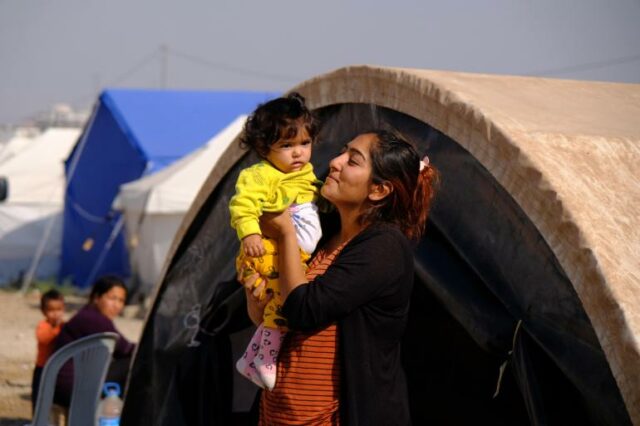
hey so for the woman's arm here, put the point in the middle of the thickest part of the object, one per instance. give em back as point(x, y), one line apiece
point(255, 306)
point(290, 271)
point(89, 320)
point(123, 346)
point(374, 269)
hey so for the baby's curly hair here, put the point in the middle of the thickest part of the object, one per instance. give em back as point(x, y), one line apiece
point(277, 119)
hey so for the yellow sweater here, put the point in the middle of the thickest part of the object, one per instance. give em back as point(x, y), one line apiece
point(263, 188)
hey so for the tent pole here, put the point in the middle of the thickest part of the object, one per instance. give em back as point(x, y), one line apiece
point(36, 258)
point(107, 246)
point(26, 282)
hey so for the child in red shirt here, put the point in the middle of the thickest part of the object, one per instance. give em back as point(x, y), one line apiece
point(52, 307)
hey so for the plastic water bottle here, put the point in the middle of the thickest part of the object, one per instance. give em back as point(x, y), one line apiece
point(111, 406)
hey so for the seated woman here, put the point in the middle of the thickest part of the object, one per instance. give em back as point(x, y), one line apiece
point(341, 362)
point(106, 301)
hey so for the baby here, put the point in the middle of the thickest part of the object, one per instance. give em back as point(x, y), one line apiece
point(281, 132)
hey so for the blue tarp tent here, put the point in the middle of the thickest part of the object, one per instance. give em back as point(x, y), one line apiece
point(131, 133)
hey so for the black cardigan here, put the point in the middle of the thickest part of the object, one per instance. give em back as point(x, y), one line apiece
point(366, 291)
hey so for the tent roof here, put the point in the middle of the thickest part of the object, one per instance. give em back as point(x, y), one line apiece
point(166, 124)
point(132, 133)
point(13, 147)
point(36, 172)
point(566, 151)
point(173, 189)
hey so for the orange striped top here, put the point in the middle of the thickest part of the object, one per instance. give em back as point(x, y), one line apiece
point(308, 374)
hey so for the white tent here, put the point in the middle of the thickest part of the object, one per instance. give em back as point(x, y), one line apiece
point(13, 147)
point(155, 205)
point(35, 173)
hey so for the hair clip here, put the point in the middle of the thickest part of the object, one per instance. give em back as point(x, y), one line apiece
point(424, 162)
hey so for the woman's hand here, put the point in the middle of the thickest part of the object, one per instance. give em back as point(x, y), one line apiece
point(277, 225)
point(255, 304)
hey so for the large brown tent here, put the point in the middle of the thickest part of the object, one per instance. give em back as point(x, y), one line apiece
point(530, 257)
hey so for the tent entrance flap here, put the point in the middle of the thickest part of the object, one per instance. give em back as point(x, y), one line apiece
point(481, 267)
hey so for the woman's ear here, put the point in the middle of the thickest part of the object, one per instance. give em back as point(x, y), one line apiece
point(378, 191)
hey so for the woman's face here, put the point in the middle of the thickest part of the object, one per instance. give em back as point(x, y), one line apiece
point(349, 179)
point(110, 304)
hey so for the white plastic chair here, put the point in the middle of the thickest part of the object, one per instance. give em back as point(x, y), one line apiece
point(91, 356)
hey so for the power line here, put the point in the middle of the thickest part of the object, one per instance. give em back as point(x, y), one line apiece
point(115, 81)
point(585, 66)
point(122, 77)
point(231, 68)
point(125, 75)
point(161, 54)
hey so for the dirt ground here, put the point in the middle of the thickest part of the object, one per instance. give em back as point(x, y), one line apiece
point(18, 318)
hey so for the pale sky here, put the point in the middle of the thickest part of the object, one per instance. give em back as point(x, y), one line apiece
point(54, 51)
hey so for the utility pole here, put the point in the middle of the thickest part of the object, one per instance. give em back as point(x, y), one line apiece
point(164, 66)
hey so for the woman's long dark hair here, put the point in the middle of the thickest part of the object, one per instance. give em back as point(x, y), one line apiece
point(396, 161)
point(105, 283)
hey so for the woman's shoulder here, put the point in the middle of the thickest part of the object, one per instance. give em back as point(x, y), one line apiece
point(380, 240)
point(89, 316)
point(383, 232)
point(86, 310)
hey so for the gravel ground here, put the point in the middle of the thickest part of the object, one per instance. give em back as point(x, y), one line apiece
point(18, 318)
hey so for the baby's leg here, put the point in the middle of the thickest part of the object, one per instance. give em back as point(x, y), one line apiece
point(246, 365)
point(267, 359)
point(274, 324)
point(267, 267)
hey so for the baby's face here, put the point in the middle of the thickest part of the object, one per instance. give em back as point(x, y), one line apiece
point(291, 155)
point(54, 311)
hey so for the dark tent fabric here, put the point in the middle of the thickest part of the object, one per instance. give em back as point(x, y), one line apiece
point(131, 133)
point(489, 293)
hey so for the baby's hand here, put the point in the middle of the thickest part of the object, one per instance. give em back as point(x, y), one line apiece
point(252, 245)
